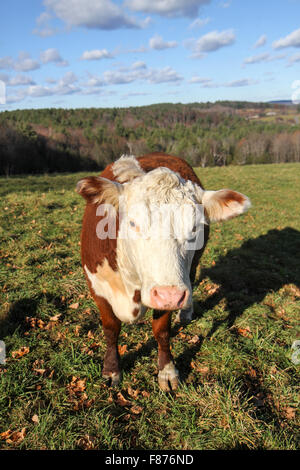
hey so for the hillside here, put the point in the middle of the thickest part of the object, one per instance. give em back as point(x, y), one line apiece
point(206, 134)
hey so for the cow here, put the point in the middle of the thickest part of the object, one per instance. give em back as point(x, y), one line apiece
point(128, 267)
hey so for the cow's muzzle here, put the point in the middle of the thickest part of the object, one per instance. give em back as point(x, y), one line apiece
point(168, 297)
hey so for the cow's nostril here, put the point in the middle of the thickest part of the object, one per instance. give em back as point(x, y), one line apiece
point(181, 300)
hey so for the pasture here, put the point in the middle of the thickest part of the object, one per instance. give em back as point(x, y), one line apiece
point(239, 385)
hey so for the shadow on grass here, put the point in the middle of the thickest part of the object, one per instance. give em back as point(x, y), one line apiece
point(246, 275)
point(14, 319)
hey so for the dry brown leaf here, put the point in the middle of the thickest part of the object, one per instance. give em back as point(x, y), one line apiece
point(246, 332)
point(87, 442)
point(122, 400)
point(194, 340)
point(289, 412)
point(35, 419)
point(204, 370)
point(5, 435)
point(16, 437)
point(132, 393)
point(74, 306)
point(122, 349)
point(20, 352)
point(135, 409)
point(145, 394)
point(77, 329)
point(55, 317)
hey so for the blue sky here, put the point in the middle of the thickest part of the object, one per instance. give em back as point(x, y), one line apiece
point(105, 53)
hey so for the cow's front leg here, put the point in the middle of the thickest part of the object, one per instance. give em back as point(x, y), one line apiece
point(111, 328)
point(168, 377)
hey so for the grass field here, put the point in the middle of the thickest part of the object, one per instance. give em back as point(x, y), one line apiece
point(239, 385)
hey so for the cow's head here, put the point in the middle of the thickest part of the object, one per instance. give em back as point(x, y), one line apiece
point(161, 223)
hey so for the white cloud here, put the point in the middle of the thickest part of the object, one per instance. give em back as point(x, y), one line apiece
point(157, 42)
point(20, 80)
point(200, 80)
point(52, 55)
point(25, 63)
point(141, 73)
point(165, 75)
point(294, 58)
point(241, 82)
point(43, 27)
point(291, 40)
point(139, 65)
point(96, 54)
point(100, 14)
point(6, 63)
point(265, 57)
point(169, 8)
point(261, 41)
point(199, 23)
point(225, 4)
point(211, 42)
point(257, 58)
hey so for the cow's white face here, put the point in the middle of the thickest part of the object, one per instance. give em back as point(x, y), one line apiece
point(156, 240)
point(159, 215)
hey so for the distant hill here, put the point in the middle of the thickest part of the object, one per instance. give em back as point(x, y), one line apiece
point(205, 134)
point(283, 102)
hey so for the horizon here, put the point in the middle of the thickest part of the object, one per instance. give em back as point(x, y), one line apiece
point(74, 54)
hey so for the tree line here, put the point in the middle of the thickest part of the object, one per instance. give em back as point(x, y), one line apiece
point(205, 134)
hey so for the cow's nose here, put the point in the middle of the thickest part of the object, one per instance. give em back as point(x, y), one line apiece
point(168, 297)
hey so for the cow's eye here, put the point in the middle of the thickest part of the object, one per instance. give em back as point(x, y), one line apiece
point(132, 224)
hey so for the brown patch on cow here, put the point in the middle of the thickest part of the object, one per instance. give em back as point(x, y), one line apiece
point(137, 296)
point(135, 312)
point(106, 273)
point(227, 196)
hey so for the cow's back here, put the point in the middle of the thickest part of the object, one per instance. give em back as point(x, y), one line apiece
point(154, 160)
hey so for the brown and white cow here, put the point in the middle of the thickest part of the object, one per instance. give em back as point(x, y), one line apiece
point(130, 268)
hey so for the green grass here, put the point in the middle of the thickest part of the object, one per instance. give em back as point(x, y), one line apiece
point(239, 387)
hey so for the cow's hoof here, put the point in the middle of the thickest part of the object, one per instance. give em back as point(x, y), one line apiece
point(113, 378)
point(184, 315)
point(168, 378)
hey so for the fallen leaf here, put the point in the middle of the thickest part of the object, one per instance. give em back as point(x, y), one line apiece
point(122, 349)
point(74, 306)
point(145, 394)
point(87, 442)
point(132, 393)
point(122, 400)
point(289, 412)
point(194, 340)
point(20, 352)
point(5, 435)
point(35, 419)
point(246, 332)
point(135, 409)
point(55, 317)
point(77, 329)
point(16, 437)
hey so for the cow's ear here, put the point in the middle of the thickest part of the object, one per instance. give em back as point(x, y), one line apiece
point(97, 190)
point(224, 204)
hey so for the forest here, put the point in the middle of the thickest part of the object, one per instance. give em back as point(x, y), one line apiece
point(205, 134)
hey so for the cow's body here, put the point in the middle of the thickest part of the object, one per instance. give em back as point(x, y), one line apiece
point(122, 282)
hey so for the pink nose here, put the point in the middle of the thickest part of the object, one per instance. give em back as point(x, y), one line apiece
point(168, 297)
